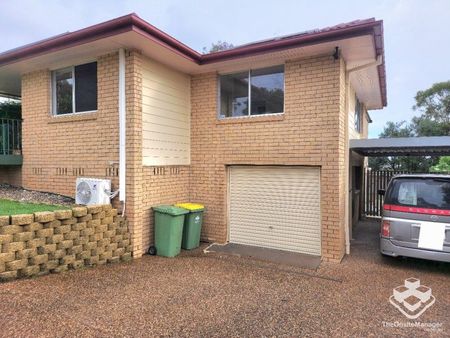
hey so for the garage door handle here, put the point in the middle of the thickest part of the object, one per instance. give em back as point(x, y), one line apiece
point(270, 227)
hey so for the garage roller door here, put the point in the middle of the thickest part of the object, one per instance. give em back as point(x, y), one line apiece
point(275, 207)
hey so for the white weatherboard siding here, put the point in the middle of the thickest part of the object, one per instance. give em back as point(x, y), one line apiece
point(166, 115)
point(275, 207)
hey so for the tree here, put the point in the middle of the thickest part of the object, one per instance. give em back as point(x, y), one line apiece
point(434, 106)
point(442, 166)
point(397, 129)
point(10, 109)
point(400, 163)
point(218, 46)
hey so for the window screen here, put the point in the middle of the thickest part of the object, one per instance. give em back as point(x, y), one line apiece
point(234, 95)
point(75, 89)
point(86, 87)
point(267, 86)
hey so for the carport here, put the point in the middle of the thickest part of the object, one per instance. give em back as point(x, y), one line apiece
point(401, 146)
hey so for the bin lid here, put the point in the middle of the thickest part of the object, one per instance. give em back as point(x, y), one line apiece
point(170, 209)
point(191, 206)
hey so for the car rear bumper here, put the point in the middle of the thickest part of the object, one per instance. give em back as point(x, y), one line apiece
point(390, 249)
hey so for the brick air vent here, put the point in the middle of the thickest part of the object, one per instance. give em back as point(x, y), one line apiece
point(174, 170)
point(159, 171)
point(111, 172)
point(37, 171)
point(78, 171)
point(62, 171)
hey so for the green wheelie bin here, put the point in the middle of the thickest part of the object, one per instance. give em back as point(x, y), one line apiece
point(169, 222)
point(192, 225)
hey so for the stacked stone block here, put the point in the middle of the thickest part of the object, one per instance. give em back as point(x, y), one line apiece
point(47, 242)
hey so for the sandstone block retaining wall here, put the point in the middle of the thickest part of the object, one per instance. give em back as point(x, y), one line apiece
point(47, 242)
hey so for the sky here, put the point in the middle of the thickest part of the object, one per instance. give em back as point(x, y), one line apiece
point(417, 38)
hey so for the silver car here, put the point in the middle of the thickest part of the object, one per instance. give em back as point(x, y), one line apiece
point(416, 217)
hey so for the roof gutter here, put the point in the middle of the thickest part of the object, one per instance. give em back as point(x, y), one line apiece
point(132, 22)
point(155, 33)
point(299, 40)
point(9, 96)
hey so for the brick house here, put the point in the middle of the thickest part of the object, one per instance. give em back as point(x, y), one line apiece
point(258, 133)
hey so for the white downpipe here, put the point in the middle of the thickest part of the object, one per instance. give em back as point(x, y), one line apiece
point(375, 63)
point(347, 169)
point(122, 128)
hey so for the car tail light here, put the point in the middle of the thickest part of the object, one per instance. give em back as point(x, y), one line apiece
point(385, 228)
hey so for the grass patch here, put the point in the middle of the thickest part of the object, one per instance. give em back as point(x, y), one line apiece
point(9, 207)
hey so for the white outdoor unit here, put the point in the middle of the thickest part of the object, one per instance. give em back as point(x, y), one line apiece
point(92, 191)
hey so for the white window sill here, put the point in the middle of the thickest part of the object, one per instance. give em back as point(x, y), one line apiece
point(251, 118)
point(84, 116)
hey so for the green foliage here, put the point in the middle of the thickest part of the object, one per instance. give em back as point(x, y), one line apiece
point(9, 207)
point(434, 106)
point(434, 103)
point(218, 46)
point(442, 166)
point(11, 109)
point(397, 129)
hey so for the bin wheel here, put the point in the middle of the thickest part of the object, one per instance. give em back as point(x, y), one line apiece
point(152, 250)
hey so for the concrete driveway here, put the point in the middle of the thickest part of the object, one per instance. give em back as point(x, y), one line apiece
point(213, 295)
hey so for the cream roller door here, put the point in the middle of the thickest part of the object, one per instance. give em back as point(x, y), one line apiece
point(275, 207)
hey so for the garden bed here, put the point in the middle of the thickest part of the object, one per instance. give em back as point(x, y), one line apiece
point(18, 200)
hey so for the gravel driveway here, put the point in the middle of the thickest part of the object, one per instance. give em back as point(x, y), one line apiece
point(197, 295)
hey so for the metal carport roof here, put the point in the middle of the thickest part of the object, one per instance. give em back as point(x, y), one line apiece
point(402, 146)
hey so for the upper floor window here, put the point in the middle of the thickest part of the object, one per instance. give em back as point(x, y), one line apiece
point(358, 112)
point(74, 89)
point(253, 92)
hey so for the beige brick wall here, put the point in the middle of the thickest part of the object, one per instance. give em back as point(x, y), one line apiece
point(314, 101)
point(11, 175)
point(134, 184)
point(311, 132)
point(58, 149)
point(46, 242)
point(146, 186)
point(162, 185)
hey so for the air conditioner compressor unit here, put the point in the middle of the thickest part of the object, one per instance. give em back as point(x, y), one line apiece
point(92, 191)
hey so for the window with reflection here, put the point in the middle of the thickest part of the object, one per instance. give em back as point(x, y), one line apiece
point(74, 89)
point(254, 92)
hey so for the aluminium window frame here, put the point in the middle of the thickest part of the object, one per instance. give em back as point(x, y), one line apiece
point(249, 115)
point(53, 88)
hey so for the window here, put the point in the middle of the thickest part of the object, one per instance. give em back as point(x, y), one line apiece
point(254, 92)
point(75, 89)
point(358, 108)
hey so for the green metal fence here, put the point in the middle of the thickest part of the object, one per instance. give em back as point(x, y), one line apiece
point(10, 136)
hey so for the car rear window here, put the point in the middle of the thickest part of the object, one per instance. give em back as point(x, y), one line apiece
point(431, 193)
